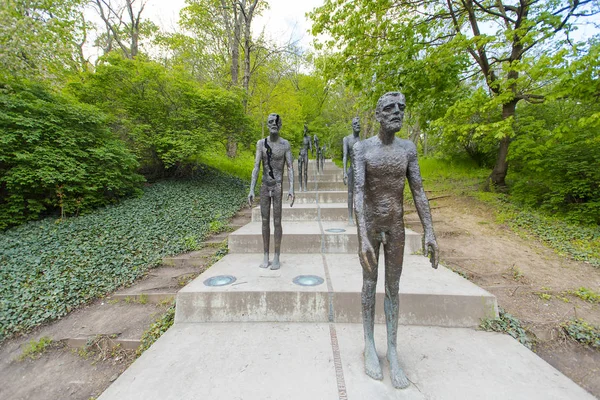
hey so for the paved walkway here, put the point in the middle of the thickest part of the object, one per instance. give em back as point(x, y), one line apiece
point(263, 336)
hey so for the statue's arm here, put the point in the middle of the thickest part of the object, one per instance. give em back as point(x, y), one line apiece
point(345, 158)
point(257, 161)
point(365, 251)
point(290, 165)
point(415, 181)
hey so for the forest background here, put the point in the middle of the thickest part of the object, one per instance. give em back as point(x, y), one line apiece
point(507, 91)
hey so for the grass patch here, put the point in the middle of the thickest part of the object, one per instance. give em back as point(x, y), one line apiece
point(586, 294)
point(34, 349)
point(583, 332)
point(240, 166)
point(156, 330)
point(506, 323)
point(49, 267)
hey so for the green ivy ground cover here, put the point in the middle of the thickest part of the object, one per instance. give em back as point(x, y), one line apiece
point(49, 267)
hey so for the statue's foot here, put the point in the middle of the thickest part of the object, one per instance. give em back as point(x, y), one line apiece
point(372, 366)
point(275, 264)
point(265, 263)
point(399, 379)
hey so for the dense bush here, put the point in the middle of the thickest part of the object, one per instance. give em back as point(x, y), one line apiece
point(163, 115)
point(47, 268)
point(57, 155)
point(556, 160)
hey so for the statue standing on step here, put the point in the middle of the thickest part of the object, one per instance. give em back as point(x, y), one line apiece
point(303, 160)
point(318, 160)
point(348, 144)
point(322, 160)
point(315, 144)
point(381, 164)
point(273, 151)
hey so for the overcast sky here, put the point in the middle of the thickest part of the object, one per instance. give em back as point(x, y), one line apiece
point(283, 19)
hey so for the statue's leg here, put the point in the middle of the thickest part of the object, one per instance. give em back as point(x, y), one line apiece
point(372, 365)
point(277, 205)
point(394, 255)
point(300, 172)
point(265, 212)
point(305, 167)
point(350, 196)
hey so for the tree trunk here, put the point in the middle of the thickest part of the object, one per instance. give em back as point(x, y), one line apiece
point(498, 175)
point(231, 147)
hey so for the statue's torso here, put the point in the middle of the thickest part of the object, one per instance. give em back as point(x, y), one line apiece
point(385, 177)
point(278, 154)
point(350, 141)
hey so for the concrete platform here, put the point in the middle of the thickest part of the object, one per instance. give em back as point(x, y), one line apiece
point(295, 361)
point(309, 212)
point(427, 296)
point(308, 237)
point(313, 185)
point(323, 196)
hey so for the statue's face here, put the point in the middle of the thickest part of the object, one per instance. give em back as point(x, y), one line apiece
point(356, 125)
point(272, 124)
point(391, 113)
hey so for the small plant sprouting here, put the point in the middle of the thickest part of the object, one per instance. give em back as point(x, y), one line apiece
point(35, 349)
point(506, 323)
point(517, 274)
point(583, 332)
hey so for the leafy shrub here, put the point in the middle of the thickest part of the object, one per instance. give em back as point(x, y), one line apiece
point(157, 329)
point(57, 155)
point(583, 332)
point(555, 160)
point(48, 268)
point(506, 323)
point(165, 116)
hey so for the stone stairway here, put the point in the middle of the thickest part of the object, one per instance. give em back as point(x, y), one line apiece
point(296, 333)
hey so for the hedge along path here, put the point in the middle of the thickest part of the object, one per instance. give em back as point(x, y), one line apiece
point(49, 267)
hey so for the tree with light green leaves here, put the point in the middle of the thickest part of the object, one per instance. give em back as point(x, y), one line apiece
point(495, 53)
point(42, 39)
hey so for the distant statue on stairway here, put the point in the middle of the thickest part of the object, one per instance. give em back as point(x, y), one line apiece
point(348, 143)
point(273, 152)
point(303, 160)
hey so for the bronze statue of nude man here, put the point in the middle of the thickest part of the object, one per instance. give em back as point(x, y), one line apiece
point(348, 142)
point(273, 151)
point(303, 160)
point(381, 164)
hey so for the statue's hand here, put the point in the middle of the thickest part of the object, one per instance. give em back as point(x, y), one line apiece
point(345, 178)
point(292, 197)
point(431, 250)
point(367, 256)
point(250, 199)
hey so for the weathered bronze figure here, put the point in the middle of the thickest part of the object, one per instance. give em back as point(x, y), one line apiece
point(303, 160)
point(381, 164)
point(348, 143)
point(273, 151)
point(315, 144)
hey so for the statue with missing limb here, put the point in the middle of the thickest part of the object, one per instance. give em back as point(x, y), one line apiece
point(348, 144)
point(273, 152)
point(303, 160)
point(381, 164)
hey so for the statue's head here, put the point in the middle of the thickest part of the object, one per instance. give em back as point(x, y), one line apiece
point(390, 111)
point(274, 123)
point(305, 130)
point(356, 124)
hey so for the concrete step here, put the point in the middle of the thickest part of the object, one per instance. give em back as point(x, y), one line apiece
point(295, 361)
point(107, 343)
point(322, 196)
point(309, 212)
point(308, 237)
point(316, 185)
point(427, 296)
